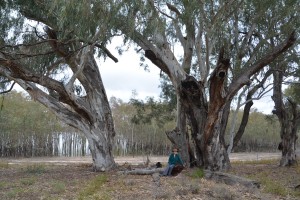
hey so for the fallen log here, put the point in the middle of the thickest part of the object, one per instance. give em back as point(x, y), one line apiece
point(230, 179)
point(142, 171)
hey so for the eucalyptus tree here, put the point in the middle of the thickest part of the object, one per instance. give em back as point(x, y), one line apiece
point(287, 105)
point(209, 50)
point(48, 48)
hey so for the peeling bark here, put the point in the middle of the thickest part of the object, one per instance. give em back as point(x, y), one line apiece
point(216, 157)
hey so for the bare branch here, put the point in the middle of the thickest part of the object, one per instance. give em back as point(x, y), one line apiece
point(83, 59)
point(174, 9)
point(108, 53)
point(244, 78)
point(7, 91)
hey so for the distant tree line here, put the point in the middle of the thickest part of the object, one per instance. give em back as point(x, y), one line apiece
point(28, 129)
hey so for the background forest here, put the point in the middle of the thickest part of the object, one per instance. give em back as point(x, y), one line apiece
point(29, 129)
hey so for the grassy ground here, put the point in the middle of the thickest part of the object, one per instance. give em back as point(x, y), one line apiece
point(77, 181)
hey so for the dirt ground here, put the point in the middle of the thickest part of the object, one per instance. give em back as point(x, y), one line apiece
point(135, 160)
point(72, 178)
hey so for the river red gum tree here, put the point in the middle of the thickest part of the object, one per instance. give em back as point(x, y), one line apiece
point(202, 103)
point(59, 71)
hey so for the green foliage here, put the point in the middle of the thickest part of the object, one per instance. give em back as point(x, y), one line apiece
point(28, 181)
point(262, 132)
point(35, 169)
point(140, 138)
point(256, 162)
point(293, 92)
point(152, 110)
point(271, 186)
point(24, 121)
point(13, 193)
point(197, 173)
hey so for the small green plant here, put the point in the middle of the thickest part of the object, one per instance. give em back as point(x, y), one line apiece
point(58, 187)
point(94, 187)
point(12, 194)
point(198, 173)
point(256, 162)
point(273, 187)
point(35, 169)
point(27, 181)
point(2, 184)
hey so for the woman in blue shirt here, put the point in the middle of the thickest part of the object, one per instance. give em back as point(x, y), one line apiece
point(174, 159)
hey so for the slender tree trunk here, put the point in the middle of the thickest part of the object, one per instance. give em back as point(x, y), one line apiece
point(243, 124)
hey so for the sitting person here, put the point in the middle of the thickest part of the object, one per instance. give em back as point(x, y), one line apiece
point(174, 159)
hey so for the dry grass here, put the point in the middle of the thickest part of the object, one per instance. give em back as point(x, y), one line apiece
point(280, 181)
point(74, 181)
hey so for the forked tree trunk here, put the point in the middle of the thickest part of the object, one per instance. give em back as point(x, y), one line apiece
point(207, 125)
point(287, 115)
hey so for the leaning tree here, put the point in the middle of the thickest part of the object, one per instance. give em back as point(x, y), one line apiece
point(209, 50)
point(47, 49)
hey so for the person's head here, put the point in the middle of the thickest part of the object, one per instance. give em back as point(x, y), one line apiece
point(175, 150)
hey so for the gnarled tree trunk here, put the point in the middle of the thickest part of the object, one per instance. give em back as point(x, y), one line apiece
point(216, 157)
point(287, 115)
point(90, 113)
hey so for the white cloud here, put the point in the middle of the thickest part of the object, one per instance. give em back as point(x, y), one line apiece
point(121, 78)
point(264, 105)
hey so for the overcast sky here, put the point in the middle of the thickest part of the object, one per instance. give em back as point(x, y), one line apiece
point(121, 78)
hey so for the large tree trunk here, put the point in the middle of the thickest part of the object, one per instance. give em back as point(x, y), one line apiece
point(90, 114)
point(216, 157)
point(287, 115)
point(101, 151)
point(207, 125)
point(193, 100)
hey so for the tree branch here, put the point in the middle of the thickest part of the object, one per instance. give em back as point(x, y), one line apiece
point(244, 78)
point(15, 71)
point(173, 8)
point(7, 91)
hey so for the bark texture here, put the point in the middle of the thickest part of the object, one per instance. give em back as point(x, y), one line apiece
point(216, 157)
point(288, 116)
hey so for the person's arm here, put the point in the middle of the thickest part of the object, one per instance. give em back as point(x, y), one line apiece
point(170, 159)
point(180, 160)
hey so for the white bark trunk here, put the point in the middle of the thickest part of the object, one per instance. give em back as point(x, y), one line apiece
point(90, 114)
